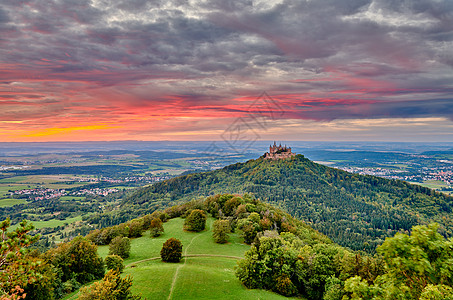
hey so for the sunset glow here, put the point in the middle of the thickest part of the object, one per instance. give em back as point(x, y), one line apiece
point(134, 70)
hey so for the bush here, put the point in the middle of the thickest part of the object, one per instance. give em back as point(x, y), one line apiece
point(156, 228)
point(230, 206)
point(111, 287)
point(196, 221)
point(114, 262)
point(284, 286)
point(120, 246)
point(135, 228)
point(220, 230)
point(171, 250)
point(70, 286)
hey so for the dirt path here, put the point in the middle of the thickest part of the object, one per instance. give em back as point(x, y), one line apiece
point(179, 267)
point(132, 265)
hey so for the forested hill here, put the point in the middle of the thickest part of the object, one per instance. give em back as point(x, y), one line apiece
point(354, 210)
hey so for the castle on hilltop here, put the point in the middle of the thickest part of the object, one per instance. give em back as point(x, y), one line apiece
point(276, 152)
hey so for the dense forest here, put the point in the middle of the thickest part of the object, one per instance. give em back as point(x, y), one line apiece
point(354, 210)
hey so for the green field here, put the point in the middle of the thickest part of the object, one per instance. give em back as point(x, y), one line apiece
point(50, 223)
point(47, 181)
point(11, 202)
point(6, 188)
point(435, 185)
point(72, 198)
point(207, 276)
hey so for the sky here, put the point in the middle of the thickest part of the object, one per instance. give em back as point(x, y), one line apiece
point(100, 70)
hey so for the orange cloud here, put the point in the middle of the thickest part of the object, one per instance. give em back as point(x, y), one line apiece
point(64, 131)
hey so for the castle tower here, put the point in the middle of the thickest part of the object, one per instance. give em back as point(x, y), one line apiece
point(277, 152)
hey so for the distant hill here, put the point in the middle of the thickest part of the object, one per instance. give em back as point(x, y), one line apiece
point(354, 210)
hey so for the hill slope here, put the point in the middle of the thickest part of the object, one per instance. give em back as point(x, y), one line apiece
point(206, 272)
point(354, 210)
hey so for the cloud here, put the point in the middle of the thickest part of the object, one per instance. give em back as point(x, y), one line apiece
point(323, 60)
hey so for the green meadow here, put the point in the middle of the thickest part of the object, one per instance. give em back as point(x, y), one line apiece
point(50, 223)
point(434, 184)
point(205, 272)
point(11, 202)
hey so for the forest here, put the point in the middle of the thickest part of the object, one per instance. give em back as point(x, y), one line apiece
point(355, 211)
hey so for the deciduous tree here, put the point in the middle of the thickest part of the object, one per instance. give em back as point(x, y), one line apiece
point(171, 250)
point(195, 221)
point(111, 287)
point(220, 231)
point(120, 246)
point(114, 262)
point(156, 227)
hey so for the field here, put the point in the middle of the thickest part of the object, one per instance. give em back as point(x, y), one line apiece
point(51, 223)
point(206, 272)
point(11, 202)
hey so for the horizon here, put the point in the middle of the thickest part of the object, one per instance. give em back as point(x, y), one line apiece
point(370, 70)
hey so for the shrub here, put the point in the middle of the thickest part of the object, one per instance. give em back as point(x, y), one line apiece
point(231, 205)
point(171, 250)
point(220, 230)
point(135, 228)
point(111, 287)
point(156, 228)
point(196, 221)
point(114, 262)
point(284, 286)
point(120, 246)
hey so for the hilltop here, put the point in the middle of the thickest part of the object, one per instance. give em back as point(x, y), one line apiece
point(357, 211)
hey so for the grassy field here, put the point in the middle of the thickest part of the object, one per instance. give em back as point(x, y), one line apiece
point(47, 181)
point(72, 198)
point(5, 189)
point(5, 194)
point(11, 202)
point(210, 276)
point(434, 184)
point(50, 223)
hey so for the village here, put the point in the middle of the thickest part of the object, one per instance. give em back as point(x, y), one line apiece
point(42, 193)
point(443, 174)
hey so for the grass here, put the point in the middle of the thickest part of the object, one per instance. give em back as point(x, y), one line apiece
point(210, 277)
point(11, 202)
point(47, 181)
point(51, 223)
point(6, 188)
point(433, 184)
point(71, 198)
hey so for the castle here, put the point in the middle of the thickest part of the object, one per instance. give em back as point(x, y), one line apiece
point(276, 152)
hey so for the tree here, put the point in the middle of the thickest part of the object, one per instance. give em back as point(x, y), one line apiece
point(114, 262)
point(135, 228)
point(120, 246)
point(171, 250)
point(156, 227)
point(437, 292)
point(249, 227)
point(220, 230)
point(269, 264)
point(77, 258)
point(196, 221)
point(18, 269)
point(230, 205)
point(111, 287)
point(419, 266)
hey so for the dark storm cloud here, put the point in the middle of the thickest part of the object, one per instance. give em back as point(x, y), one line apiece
point(395, 109)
